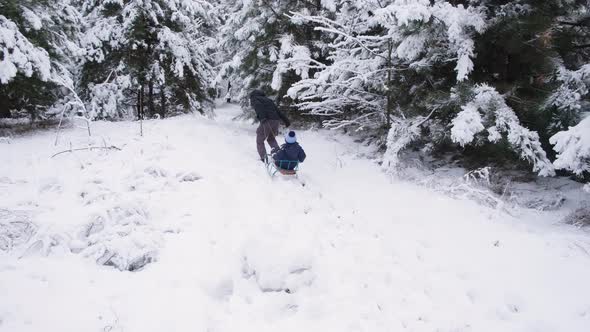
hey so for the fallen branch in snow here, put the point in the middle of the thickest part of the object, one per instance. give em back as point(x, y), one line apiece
point(89, 149)
point(61, 117)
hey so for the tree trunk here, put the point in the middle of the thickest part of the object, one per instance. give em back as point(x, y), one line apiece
point(162, 102)
point(140, 105)
point(4, 111)
point(151, 104)
point(389, 87)
point(142, 111)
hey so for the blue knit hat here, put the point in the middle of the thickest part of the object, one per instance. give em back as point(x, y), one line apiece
point(290, 137)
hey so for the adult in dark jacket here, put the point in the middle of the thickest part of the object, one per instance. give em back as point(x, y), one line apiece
point(269, 115)
point(290, 154)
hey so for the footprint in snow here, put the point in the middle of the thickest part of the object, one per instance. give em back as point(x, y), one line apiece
point(156, 172)
point(188, 177)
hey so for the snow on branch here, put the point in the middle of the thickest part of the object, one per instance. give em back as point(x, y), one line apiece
point(574, 86)
point(466, 125)
point(365, 53)
point(573, 148)
point(488, 108)
point(19, 55)
point(402, 133)
point(458, 23)
point(106, 98)
point(299, 60)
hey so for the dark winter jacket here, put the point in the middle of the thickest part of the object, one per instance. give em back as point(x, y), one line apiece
point(266, 109)
point(292, 152)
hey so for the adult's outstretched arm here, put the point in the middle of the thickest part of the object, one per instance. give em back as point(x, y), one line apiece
point(284, 118)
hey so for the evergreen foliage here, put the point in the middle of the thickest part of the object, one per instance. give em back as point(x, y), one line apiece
point(152, 57)
point(452, 73)
point(258, 35)
point(37, 47)
point(494, 79)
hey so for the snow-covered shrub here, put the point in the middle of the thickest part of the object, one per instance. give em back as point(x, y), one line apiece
point(401, 134)
point(479, 176)
point(488, 111)
point(579, 218)
point(573, 148)
point(546, 201)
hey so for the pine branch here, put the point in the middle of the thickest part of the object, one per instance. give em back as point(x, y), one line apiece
point(581, 46)
point(335, 28)
point(584, 22)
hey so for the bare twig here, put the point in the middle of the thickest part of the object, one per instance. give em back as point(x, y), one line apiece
point(428, 117)
point(61, 117)
point(90, 148)
point(582, 46)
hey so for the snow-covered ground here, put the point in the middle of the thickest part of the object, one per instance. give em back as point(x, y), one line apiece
point(229, 249)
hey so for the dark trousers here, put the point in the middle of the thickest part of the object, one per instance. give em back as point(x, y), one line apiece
point(267, 130)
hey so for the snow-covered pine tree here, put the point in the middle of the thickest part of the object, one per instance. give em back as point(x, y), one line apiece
point(569, 82)
point(386, 59)
point(530, 56)
point(257, 35)
point(415, 67)
point(37, 50)
point(149, 56)
point(523, 54)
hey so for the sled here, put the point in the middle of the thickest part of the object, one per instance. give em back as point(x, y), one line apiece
point(282, 168)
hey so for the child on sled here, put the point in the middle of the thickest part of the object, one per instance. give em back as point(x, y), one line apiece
point(290, 154)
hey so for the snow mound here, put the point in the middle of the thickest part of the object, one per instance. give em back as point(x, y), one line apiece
point(278, 264)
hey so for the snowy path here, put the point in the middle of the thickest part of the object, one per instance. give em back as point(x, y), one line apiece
point(356, 251)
